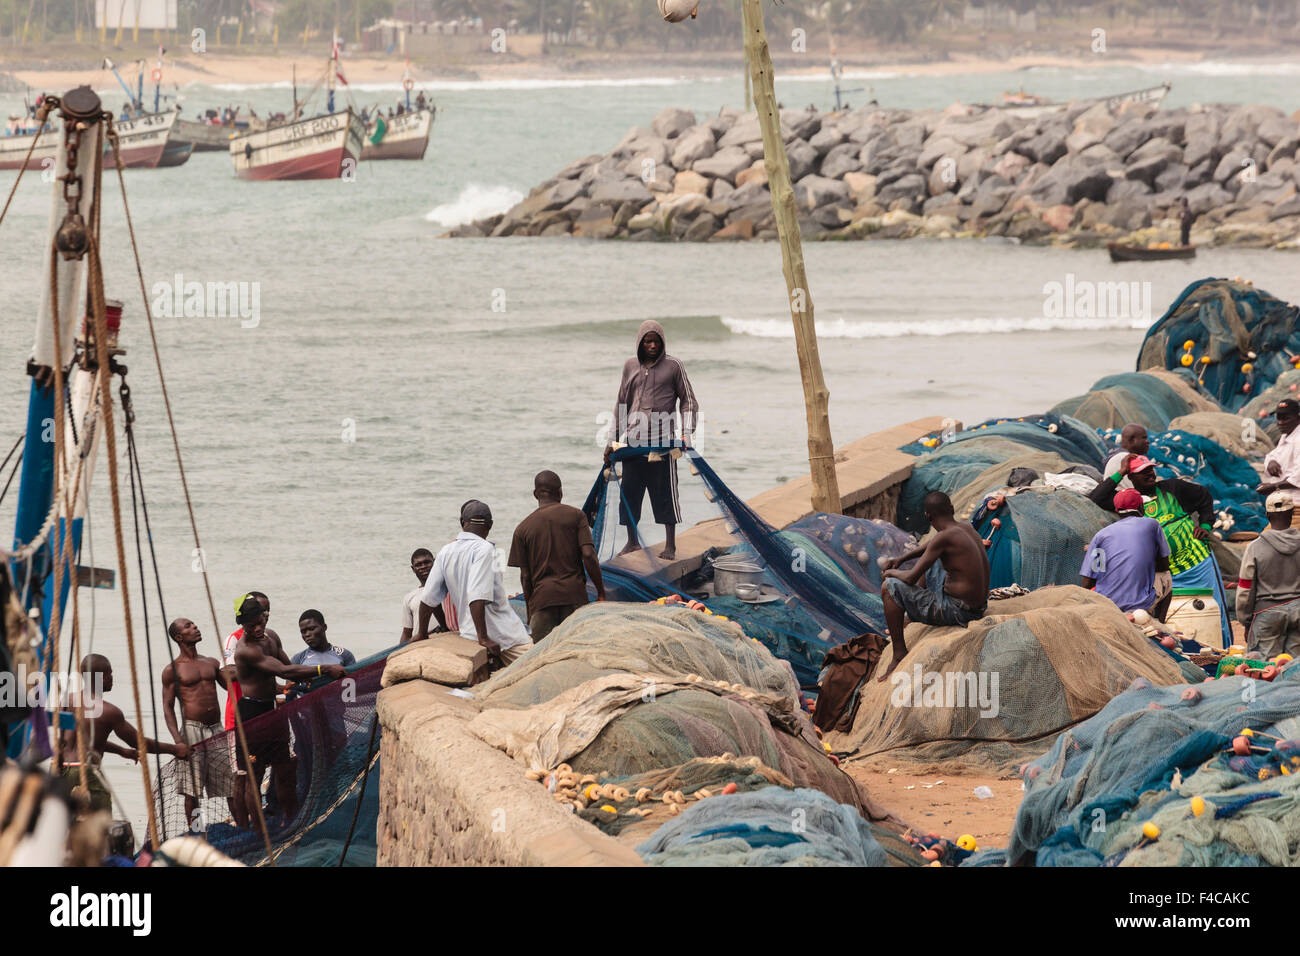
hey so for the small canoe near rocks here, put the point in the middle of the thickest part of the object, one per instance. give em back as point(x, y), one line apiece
point(1127, 252)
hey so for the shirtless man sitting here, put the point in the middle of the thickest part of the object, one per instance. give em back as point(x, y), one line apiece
point(259, 661)
point(104, 719)
point(193, 678)
point(959, 550)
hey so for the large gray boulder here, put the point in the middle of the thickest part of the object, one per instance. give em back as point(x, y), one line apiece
point(1048, 146)
point(575, 168)
point(803, 159)
point(671, 121)
point(826, 137)
point(1125, 137)
point(1127, 190)
point(727, 117)
point(912, 187)
point(1231, 166)
point(837, 164)
point(692, 144)
point(1206, 197)
point(747, 130)
point(1090, 128)
point(636, 133)
point(937, 147)
point(1171, 178)
point(812, 191)
point(978, 130)
point(608, 167)
point(1277, 128)
point(725, 163)
point(1151, 159)
point(618, 191)
point(801, 124)
point(1243, 124)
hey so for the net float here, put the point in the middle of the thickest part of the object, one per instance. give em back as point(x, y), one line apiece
point(1191, 695)
point(1198, 806)
point(1247, 732)
point(967, 842)
point(1241, 746)
point(1154, 706)
point(996, 522)
point(1168, 641)
point(1141, 617)
point(930, 854)
point(730, 788)
point(1150, 830)
point(1188, 345)
point(1187, 360)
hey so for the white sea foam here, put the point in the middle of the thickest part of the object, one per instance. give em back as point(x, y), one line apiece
point(474, 202)
point(845, 329)
point(505, 83)
point(1228, 68)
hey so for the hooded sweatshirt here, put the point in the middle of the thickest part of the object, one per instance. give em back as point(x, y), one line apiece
point(648, 396)
point(1270, 572)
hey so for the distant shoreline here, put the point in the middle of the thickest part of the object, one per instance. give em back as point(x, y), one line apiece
point(260, 68)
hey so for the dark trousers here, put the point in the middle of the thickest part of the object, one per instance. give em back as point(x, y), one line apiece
point(657, 477)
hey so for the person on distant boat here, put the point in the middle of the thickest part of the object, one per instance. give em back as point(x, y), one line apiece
point(1185, 511)
point(1185, 220)
point(194, 679)
point(956, 594)
point(1128, 561)
point(1133, 440)
point(654, 385)
point(259, 661)
point(104, 719)
point(420, 101)
point(466, 569)
point(550, 548)
point(311, 624)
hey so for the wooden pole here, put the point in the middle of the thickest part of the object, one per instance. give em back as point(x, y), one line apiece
point(821, 451)
point(749, 79)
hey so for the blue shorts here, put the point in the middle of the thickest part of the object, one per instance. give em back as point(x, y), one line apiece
point(925, 606)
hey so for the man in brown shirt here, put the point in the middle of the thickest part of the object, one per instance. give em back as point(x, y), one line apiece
point(550, 548)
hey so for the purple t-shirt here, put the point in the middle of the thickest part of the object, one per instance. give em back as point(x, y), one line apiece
point(1121, 558)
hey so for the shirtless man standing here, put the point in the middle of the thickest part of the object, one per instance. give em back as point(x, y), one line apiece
point(259, 660)
point(959, 550)
point(104, 719)
point(194, 679)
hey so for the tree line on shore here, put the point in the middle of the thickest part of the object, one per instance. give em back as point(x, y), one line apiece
point(627, 23)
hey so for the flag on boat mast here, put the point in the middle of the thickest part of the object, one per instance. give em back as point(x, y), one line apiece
point(338, 67)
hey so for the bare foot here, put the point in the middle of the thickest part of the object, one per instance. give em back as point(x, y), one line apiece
point(668, 553)
point(630, 547)
point(889, 670)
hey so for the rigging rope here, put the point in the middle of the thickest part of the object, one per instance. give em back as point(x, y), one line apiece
point(41, 115)
point(185, 486)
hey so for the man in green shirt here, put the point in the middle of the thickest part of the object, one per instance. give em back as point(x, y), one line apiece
point(1185, 511)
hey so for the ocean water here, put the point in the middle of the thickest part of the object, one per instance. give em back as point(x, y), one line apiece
point(390, 375)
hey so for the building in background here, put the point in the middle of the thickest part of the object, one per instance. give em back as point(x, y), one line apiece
point(135, 14)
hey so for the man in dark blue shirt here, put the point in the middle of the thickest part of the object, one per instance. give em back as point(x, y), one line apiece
point(319, 652)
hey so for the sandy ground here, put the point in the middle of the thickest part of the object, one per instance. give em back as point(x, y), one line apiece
point(946, 804)
point(255, 68)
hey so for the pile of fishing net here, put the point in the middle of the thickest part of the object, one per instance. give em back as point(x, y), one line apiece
point(620, 690)
point(1142, 762)
point(770, 827)
point(1247, 335)
point(972, 463)
point(996, 693)
point(1150, 399)
point(1234, 433)
point(1262, 403)
point(1040, 535)
point(332, 735)
point(1230, 479)
point(820, 578)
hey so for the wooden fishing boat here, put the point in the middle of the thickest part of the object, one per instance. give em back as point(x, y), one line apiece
point(401, 137)
point(208, 137)
point(320, 147)
point(142, 141)
point(1124, 252)
point(1031, 107)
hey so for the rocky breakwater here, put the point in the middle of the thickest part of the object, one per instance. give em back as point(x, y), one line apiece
point(1084, 175)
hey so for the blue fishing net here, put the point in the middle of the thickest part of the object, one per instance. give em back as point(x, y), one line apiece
point(963, 458)
point(1086, 798)
point(768, 827)
point(1128, 397)
point(333, 738)
point(1041, 537)
point(1226, 321)
point(1230, 479)
point(820, 577)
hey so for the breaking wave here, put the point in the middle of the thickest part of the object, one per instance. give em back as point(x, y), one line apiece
point(845, 329)
point(474, 202)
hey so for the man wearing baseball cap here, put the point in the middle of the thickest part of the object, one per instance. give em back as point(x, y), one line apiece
point(1133, 440)
point(468, 570)
point(1282, 464)
point(1268, 587)
point(1185, 511)
point(1128, 561)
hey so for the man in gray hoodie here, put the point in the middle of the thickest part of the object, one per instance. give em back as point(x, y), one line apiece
point(646, 416)
point(1268, 589)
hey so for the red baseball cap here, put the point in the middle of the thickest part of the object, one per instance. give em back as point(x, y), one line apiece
point(1140, 463)
point(1129, 499)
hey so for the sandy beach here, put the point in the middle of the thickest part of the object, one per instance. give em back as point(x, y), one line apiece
point(254, 69)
